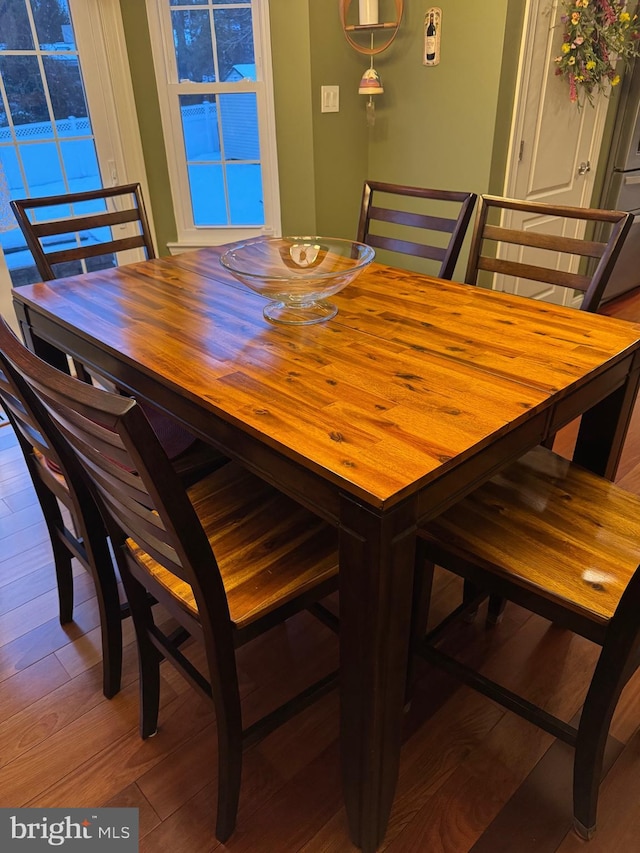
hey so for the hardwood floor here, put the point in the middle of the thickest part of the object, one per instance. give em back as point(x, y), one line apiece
point(473, 777)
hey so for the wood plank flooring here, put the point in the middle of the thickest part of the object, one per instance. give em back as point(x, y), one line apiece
point(473, 777)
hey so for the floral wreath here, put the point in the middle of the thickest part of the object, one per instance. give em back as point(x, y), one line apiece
point(597, 34)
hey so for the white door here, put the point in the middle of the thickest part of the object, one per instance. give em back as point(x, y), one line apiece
point(554, 147)
point(67, 116)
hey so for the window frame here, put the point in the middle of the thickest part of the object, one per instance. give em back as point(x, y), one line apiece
point(190, 235)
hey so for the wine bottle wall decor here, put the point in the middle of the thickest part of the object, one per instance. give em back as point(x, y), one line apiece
point(432, 27)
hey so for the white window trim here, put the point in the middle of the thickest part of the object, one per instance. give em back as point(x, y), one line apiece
point(191, 236)
point(118, 144)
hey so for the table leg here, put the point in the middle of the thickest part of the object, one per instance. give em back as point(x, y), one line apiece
point(603, 428)
point(376, 570)
point(46, 351)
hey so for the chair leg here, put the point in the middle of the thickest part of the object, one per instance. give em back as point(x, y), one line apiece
point(422, 587)
point(64, 580)
point(223, 678)
point(149, 689)
point(90, 546)
point(111, 638)
point(99, 557)
point(549, 441)
point(496, 609)
point(589, 756)
point(229, 776)
point(469, 593)
point(582, 831)
point(81, 372)
point(149, 656)
point(613, 670)
point(61, 554)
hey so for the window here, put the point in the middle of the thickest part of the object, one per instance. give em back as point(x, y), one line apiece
point(213, 70)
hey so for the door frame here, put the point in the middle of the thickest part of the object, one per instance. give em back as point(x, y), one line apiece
point(533, 8)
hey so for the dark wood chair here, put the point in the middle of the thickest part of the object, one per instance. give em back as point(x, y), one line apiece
point(72, 233)
point(229, 559)
point(58, 483)
point(425, 223)
point(565, 544)
point(598, 251)
point(64, 230)
point(538, 261)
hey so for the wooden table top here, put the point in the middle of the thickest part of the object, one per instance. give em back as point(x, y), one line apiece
point(377, 420)
point(412, 376)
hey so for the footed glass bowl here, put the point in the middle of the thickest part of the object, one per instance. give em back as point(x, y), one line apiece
point(297, 273)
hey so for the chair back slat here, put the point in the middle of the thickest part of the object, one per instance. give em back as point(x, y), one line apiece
point(97, 251)
point(533, 273)
point(413, 220)
point(553, 242)
point(597, 253)
point(423, 211)
point(419, 250)
point(84, 223)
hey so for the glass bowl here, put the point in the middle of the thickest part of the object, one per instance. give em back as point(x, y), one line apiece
point(297, 273)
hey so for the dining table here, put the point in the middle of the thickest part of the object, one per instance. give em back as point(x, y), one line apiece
point(416, 392)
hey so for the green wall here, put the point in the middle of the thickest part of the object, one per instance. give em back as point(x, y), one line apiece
point(341, 140)
point(290, 49)
point(443, 126)
point(437, 123)
point(134, 17)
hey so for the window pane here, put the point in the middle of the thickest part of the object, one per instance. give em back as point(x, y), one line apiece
point(66, 211)
point(53, 25)
point(56, 211)
point(15, 31)
point(25, 94)
point(11, 239)
point(207, 195)
point(234, 39)
point(239, 115)
point(67, 94)
point(245, 194)
point(14, 246)
point(68, 268)
point(9, 161)
point(42, 167)
point(193, 46)
point(200, 127)
point(81, 164)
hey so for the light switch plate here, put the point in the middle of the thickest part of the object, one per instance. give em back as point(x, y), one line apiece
point(330, 99)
